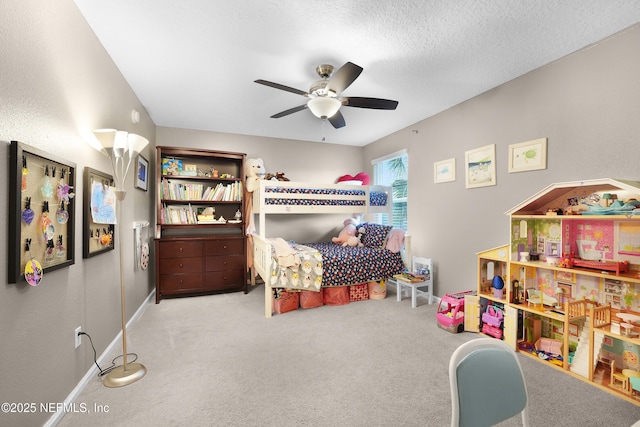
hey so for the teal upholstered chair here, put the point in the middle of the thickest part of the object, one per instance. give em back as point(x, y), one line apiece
point(487, 384)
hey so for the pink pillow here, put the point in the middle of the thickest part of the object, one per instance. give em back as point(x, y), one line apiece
point(362, 176)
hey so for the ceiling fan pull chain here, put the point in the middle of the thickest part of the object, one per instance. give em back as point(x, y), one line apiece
point(324, 121)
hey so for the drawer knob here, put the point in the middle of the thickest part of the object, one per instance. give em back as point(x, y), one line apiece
point(224, 247)
point(181, 265)
point(181, 249)
point(225, 263)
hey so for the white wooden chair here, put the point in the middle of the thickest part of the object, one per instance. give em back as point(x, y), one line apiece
point(487, 384)
point(417, 264)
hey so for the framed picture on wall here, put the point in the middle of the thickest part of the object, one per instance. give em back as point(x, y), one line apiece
point(444, 171)
point(142, 173)
point(480, 166)
point(528, 156)
point(98, 214)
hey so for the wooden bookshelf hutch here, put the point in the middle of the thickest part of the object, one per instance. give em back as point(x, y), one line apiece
point(196, 251)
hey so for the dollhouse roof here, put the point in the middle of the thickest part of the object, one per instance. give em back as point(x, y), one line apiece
point(558, 195)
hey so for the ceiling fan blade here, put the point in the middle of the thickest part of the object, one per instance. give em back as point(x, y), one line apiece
point(281, 87)
point(289, 111)
point(342, 79)
point(337, 120)
point(375, 103)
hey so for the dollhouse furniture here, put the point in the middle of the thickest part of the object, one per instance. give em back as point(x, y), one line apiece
point(492, 320)
point(481, 371)
point(618, 377)
point(403, 282)
point(342, 266)
point(634, 383)
point(533, 297)
point(633, 380)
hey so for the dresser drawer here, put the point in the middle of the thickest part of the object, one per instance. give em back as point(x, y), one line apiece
point(180, 249)
point(181, 265)
point(231, 279)
point(224, 247)
point(171, 283)
point(224, 262)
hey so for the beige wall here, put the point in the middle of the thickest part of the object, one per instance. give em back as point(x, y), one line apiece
point(56, 84)
point(587, 104)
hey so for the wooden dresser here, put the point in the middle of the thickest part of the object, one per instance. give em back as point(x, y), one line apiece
point(199, 265)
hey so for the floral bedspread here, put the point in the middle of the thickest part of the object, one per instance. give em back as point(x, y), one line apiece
point(345, 265)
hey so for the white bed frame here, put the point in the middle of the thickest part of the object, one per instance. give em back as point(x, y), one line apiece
point(262, 246)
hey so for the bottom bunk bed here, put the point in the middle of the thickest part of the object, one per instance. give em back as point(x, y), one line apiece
point(310, 266)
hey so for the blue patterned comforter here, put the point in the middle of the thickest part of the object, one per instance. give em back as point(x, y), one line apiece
point(345, 265)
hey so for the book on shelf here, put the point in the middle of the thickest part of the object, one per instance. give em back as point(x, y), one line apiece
point(195, 191)
point(178, 215)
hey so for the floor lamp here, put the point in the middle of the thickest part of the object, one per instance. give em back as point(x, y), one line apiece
point(121, 147)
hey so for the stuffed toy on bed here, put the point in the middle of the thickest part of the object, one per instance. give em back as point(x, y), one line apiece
point(350, 235)
point(254, 171)
point(356, 240)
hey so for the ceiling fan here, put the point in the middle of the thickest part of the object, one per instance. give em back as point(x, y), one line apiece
point(325, 97)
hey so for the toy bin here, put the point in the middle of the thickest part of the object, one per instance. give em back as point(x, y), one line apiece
point(450, 315)
point(311, 299)
point(284, 301)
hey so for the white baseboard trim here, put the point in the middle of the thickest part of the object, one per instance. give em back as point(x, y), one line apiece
point(93, 372)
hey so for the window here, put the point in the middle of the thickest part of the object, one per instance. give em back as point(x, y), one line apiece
point(392, 170)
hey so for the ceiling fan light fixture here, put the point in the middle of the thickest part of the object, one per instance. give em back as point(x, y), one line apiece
point(324, 107)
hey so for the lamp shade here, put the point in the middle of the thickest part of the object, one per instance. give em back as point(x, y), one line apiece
point(324, 106)
point(106, 137)
point(136, 143)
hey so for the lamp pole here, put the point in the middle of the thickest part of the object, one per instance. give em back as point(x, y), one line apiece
point(121, 148)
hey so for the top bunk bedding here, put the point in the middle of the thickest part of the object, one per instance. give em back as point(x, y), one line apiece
point(301, 197)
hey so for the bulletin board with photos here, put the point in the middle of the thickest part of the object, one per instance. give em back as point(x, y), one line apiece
point(41, 213)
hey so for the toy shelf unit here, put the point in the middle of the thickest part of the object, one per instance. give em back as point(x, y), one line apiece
point(487, 312)
point(575, 256)
point(199, 238)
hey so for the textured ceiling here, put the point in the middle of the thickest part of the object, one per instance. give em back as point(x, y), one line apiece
point(192, 63)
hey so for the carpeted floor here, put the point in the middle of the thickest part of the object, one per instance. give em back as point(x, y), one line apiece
point(216, 361)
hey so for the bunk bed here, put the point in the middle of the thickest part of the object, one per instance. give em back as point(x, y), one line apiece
point(337, 265)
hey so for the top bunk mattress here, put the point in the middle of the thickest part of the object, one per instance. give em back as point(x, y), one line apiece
point(299, 197)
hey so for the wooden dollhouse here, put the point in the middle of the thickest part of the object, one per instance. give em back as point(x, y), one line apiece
point(573, 263)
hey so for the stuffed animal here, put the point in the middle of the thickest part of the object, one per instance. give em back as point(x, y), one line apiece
point(355, 240)
point(254, 170)
point(278, 176)
point(347, 232)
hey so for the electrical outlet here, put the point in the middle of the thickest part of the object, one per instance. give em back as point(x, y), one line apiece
point(77, 336)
